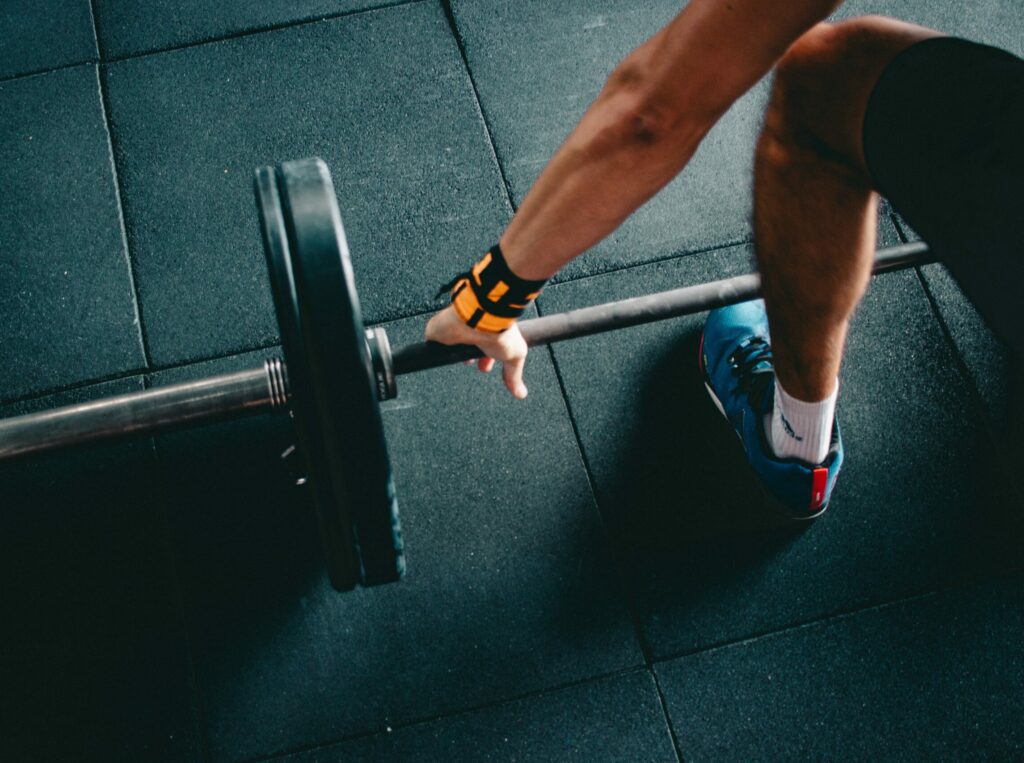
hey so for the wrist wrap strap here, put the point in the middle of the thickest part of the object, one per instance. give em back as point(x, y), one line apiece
point(490, 296)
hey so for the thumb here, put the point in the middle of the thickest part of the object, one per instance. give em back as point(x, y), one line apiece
point(431, 331)
point(512, 373)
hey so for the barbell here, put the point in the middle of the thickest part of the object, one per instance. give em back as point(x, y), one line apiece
point(336, 372)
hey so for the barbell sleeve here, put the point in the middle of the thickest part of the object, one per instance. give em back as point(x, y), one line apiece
point(149, 411)
point(633, 312)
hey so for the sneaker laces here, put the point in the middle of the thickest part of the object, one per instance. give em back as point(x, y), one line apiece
point(752, 363)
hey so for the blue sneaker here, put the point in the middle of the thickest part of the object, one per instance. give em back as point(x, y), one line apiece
point(736, 360)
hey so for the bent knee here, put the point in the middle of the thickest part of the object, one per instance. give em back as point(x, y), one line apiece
point(823, 82)
point(846, 51)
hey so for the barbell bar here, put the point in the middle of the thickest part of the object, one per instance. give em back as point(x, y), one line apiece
point(635, 311)
point(336, 372)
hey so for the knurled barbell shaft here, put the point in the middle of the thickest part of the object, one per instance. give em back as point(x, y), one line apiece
point(633, 312)
point(216, 397)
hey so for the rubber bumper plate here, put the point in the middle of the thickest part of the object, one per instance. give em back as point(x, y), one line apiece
point(331, 382)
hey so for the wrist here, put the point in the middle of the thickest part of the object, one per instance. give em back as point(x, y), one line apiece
point(521, 254)
point(491, 296)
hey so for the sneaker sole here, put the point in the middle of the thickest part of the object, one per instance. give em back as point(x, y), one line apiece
point(777, 506)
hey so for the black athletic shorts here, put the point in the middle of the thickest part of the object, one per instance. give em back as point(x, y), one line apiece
point(944, 141)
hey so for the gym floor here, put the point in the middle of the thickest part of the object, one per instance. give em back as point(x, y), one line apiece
point(589, 574)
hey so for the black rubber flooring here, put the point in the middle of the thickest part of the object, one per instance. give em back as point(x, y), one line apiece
point(589, 573)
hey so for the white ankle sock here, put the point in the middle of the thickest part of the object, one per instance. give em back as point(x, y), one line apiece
point(799, 429)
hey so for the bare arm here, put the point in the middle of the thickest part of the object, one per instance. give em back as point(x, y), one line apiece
point(647, 122)
point(642, 129)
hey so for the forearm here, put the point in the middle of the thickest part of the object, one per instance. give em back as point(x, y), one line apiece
point(608, 167)
point(647, 122)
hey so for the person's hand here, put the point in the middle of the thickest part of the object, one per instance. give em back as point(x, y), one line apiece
point(508, 347)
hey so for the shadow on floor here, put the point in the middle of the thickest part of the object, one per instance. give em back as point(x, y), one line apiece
point(92, 616)
point(682, 482)
point(245, 534)
point(691, 518)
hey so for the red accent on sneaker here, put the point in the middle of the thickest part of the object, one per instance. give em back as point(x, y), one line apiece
point(818, 485)
point(700, 354)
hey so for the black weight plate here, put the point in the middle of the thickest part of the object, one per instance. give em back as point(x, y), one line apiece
point(343, 566)
point(341, 381)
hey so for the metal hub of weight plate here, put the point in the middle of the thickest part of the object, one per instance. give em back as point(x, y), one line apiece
point(332, 382)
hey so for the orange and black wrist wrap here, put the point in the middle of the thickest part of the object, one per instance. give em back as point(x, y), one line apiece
point(490, 297)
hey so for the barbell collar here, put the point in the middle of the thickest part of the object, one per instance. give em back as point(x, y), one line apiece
point(154, 410)
point(633, 312)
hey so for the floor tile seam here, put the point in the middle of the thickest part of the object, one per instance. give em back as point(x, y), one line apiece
point(933, 592)
point(460, 43)
point(467, 711)
point(227, 355)
point(898, 223)
point(73, 386)
point(417, 313)
point(414, 312)
point(617, 562)
point(145, 373)
point(560, 280)
point(116, 59)
point(947, 334)
point(828, 619)
point(48, 70)
point(676, 255)
point(132, 267)
point(133, 278)
point(94, 18)
point(676, 745)
point(980, 411)
point(152, 369)
point(199, 723)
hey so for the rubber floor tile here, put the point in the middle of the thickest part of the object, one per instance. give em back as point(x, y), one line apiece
point(921, 500)
point(383, 97)
point(538, 65)
point(611, 719)
point(35, 36)
point(509, 590)
point(938, 678)
point(93, 658)
point(67, 308)
point(128, 28)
